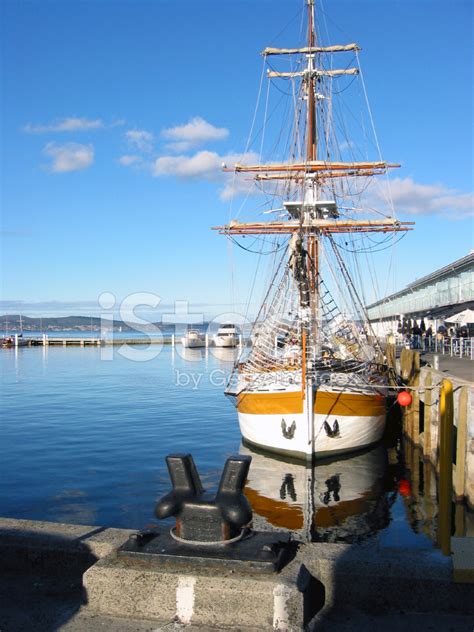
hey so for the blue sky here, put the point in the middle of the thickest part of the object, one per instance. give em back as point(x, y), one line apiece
point(116, 115)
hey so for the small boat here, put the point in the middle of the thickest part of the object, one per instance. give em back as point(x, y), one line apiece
point(227, 336)
point(14, 341)
point(193, 339)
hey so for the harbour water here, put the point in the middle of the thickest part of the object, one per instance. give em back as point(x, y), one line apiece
point(85, 433)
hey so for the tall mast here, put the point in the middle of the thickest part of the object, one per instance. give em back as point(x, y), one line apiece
point(310, 328)
point(311, 155)
point(311, 123)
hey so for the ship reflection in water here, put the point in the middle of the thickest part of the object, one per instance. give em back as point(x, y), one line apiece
point(338, 500)
point(387, 494)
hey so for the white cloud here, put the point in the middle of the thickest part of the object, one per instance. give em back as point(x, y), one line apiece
point(207, 165)
point(71, 124)
point(204, 164)
point(69, 156)
point(140, 140)
point(192, 134)
point(410, 197)
point(182, 145)
point(129, 160)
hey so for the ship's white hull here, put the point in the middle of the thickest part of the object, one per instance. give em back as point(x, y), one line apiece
point(355, 433)
point(356, 421)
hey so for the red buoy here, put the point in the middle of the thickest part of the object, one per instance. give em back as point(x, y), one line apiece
point(404, 398)
point(404, 487)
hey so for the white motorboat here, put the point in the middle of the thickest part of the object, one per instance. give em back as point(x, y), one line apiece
point(227, 336)
point(193, 339)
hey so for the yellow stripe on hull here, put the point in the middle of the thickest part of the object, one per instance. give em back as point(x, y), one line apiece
point(326, 403)
point(270, 403)
point(349, 404)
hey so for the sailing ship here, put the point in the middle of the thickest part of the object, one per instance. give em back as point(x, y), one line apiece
point(313, 380)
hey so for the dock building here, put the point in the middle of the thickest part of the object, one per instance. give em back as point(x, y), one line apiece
point(436, 298)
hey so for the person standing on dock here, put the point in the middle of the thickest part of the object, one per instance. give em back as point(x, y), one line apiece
point(416, 333)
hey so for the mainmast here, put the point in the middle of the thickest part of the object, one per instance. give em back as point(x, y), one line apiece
point(311, 141)
point(310, 196)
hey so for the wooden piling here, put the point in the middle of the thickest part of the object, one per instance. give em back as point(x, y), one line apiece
point(406, 360)
point(390, 354)
point(427, 416)
point(446, 414)
point(410, 369)
point(461, 445)
point(415, 404)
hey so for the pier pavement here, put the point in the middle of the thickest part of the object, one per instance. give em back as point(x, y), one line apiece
point(460, 368)
point(67, 577)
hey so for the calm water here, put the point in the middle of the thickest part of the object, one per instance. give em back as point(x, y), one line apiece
point(84, 441)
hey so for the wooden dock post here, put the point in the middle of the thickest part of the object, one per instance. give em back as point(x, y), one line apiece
point(405, 363)
point(410, 370)
point(391, 356)
point(405, 371)
point(446, 416)
point(427, 416)
point(461, 445)
point(415, 404)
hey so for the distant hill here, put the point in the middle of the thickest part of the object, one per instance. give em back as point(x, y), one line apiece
point(11, 323)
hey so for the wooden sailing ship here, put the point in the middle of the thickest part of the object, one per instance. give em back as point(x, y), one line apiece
point(313, 380)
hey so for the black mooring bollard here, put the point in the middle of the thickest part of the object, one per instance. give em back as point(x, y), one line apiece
point(202, 517)
point(210, 529)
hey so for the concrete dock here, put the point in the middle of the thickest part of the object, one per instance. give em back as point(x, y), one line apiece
point(68, 577)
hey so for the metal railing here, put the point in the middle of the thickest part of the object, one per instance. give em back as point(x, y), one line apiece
point(448, 345)
point(455, 347)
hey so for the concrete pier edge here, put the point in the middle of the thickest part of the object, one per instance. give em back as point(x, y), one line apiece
point(323, 580)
